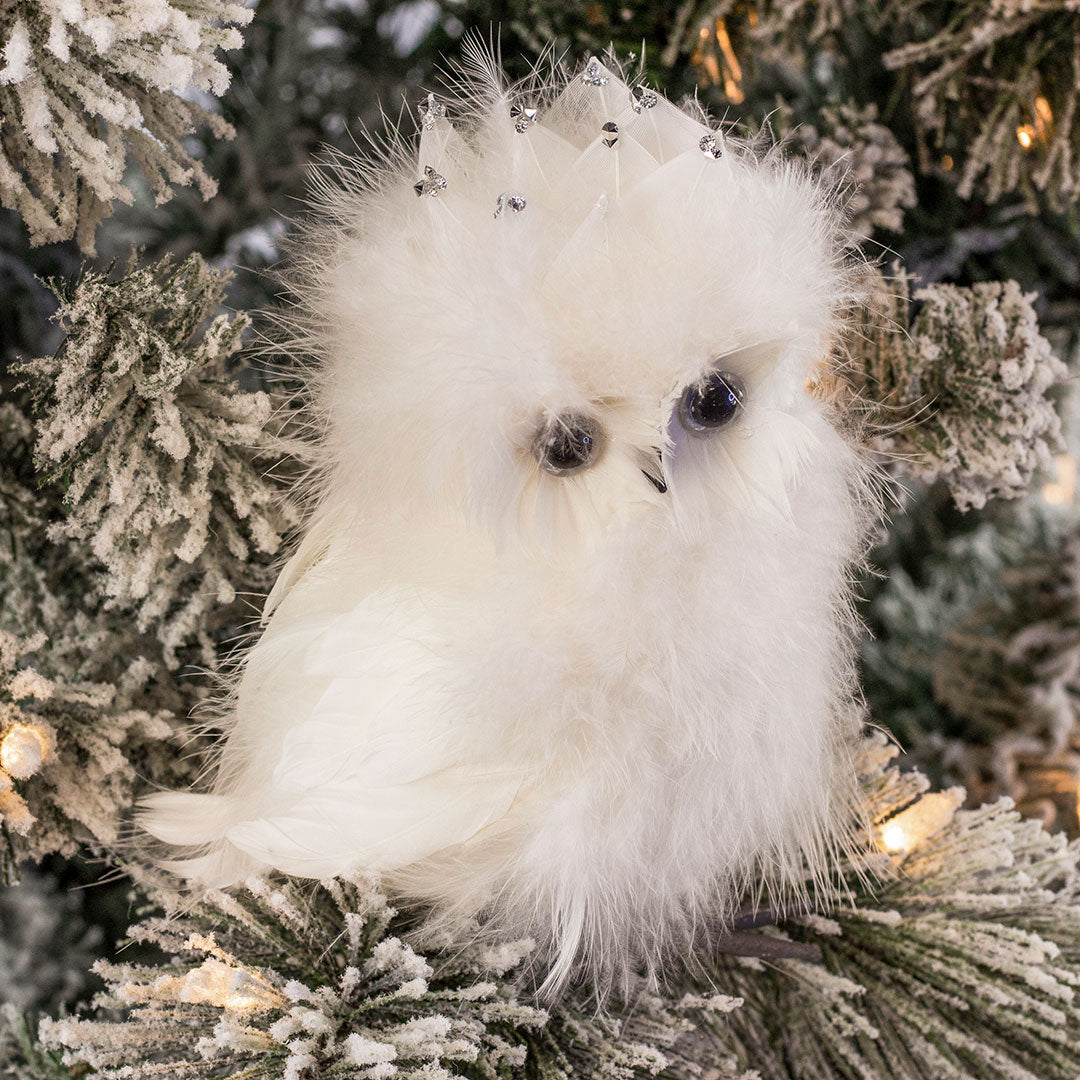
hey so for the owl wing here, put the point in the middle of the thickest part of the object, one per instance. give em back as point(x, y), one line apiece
point(317, 541)
point(349, 750)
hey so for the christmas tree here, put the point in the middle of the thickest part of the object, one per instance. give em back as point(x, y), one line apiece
point(153, 450)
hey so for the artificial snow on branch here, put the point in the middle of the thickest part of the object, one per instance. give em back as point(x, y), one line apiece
point(284, 980)
point(964, 961)
point(852, 140)
point(71, 753)
point(998, 87)
point(977, 662)
point(967, 964)
point(21, 1056)
point(994, 87)
point(162, 458)
point(85, 83)
point(963, 384)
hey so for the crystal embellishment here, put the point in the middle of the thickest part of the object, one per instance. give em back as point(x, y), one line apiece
point(709, 145)
point(523, 118)
point(642, 97)
point(431, 183)
point(514, 203)
point(612, 133)
point(593, 74)
point(430, 111)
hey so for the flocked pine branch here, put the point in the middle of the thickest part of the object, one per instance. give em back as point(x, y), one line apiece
point(30, 568)
point(852, 140)
point(1013, 663)
point(285, 980)
point(163, 459)
point(916, 607)
point(977, 663)
point(967, 965)
point(973, 370)
point(997, 87)
point(73, 753)
point(86, 83)
point(82, 678)
point(47, 586)
point(21, 1056)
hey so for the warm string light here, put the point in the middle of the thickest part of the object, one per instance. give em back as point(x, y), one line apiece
point(715, 56)
point(214, 982)
point(1027, 135)
point(904, 832)
point(23, 750)
point(1062, 489)
point(893, 838)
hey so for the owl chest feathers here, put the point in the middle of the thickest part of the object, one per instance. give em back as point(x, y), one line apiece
point(655, 667)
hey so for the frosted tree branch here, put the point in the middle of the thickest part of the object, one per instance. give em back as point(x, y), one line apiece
point(84, 84)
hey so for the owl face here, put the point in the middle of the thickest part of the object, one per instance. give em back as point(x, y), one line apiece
point(568, 335)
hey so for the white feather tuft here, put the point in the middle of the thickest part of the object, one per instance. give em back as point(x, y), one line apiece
point(577, 708)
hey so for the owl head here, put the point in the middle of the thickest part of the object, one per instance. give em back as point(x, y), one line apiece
point(568, 306)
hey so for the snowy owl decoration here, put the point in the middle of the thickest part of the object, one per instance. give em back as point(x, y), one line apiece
point(565, 651)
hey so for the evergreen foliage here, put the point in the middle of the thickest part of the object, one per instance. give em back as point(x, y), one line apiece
point(966, 372)
point(158, 452)
point(84, 83)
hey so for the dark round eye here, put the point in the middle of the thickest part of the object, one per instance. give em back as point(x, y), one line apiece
point(712, 403)
point(567, 443)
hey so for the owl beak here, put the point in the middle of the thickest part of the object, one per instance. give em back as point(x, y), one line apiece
point(656, 478)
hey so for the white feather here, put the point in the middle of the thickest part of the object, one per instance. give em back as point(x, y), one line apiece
point(571, 707)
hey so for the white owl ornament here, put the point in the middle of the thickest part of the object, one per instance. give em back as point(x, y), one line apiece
point(566, 650)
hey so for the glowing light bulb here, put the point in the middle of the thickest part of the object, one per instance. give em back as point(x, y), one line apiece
point(714, 56)
point(1044, 116)
point(733, 74)
point(1041, 131)
point(23, 750)
point(216, 983)
point(910, 829)
point(1062, 489)
point(893, 837)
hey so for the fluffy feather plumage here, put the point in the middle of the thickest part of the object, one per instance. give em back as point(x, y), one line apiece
point(575, 707)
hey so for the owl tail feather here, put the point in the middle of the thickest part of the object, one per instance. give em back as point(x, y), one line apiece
point(222, 867)
point(191, 820)
point(185, 819)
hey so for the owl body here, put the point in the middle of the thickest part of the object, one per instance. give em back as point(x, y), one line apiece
point(565, 651)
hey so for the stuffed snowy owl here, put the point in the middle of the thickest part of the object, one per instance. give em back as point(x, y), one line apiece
point(565, 651)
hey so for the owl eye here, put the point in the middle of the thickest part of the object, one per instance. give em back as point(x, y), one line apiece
point(567, 443)
point(711, 403)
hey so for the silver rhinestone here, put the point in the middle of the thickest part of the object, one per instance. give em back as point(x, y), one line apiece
point(523, 118)
point(593, 75)
point(430, 111)
point(514, 203)
point(642, 98)
point(709, 145)
point(431, 183)
point(613, 133)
